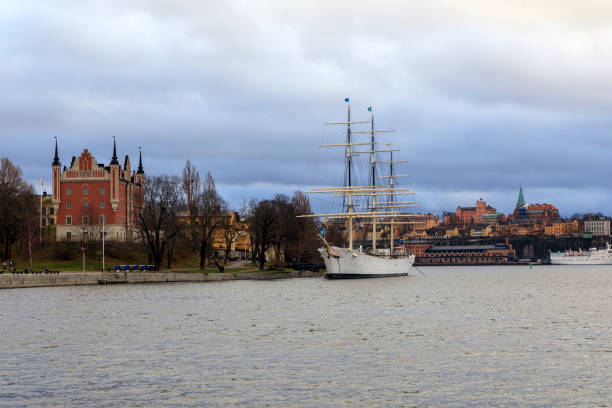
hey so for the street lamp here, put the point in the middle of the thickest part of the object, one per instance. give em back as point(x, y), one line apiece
point(41, 220)
point(103, 222)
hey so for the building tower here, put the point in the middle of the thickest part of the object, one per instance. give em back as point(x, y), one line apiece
point(521, 199)
point(114, 179)
point(140, 173)
point(56, 167)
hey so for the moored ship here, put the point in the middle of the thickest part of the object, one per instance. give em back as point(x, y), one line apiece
point(381, 207)
point(592, 256)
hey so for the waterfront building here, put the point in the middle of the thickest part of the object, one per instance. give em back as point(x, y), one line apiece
point(526, 227)
point(467, 255)
point(480, 231)
point(420, 223)
point(418, 247)
point(542, 212)
point(561, 227)
point(597, 226)
point(452, 232)
point(48, 211)
point(470, 215)
point(87, 195)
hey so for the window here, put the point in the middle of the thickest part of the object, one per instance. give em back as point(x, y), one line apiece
point(85, 220)
point(102, 220)
point(101, 190)
point(69, 220)
point(85, 204)
point(69, 204)
point(85, 190)
point(50, 221)
point(51, 211)
point(68, 191)
point(105, 233)
point(68, 236)
point(102, 204)
point(44, 211)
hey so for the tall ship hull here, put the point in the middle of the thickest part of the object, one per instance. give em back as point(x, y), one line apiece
point(343, 263)
point(591, 257)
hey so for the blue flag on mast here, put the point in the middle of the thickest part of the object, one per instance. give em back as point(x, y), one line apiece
point(369, 109)
point(346, 99)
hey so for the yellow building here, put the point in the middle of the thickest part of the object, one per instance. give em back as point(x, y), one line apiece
point(560, 227)
point(48, 212)
point(481, 231)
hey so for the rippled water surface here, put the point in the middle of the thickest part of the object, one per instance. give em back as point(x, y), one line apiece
point(456, 337)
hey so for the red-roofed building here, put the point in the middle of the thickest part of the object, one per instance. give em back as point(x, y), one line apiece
point(88, 195)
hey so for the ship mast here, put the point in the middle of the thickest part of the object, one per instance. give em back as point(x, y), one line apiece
point(348, 165)
point(373, 163)
point(392, 187)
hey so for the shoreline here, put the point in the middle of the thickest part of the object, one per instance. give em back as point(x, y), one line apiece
point(17, 281)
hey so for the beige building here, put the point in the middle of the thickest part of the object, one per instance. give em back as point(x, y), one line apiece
point(600, 226)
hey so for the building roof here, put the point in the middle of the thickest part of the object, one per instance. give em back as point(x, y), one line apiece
point(521, 199)
point(467, 247)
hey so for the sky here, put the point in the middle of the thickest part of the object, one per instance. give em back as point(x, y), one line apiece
point(484, 96)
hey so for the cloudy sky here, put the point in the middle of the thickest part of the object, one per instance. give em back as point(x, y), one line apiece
point(484, 95)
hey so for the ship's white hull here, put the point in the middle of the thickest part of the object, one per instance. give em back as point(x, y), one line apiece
point(595, 257)
point(580, 261)
point(342, 263)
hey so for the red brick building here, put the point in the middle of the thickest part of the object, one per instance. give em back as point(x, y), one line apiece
point(470, 215)
point(87, 195)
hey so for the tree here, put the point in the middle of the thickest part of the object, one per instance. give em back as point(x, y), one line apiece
point(207, 217)
point(158, 219)
point(192, 189)
point(264, 223)
point(13, 189)
point(229, 228)
point(287, 228)
point(29, 218)
point(303, 246)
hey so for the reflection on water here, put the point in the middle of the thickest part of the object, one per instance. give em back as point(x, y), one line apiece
point(460, 336)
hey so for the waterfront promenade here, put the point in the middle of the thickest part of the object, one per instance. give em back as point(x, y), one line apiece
point(20, 280)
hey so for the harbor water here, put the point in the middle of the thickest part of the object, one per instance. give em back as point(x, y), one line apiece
point(459, 336)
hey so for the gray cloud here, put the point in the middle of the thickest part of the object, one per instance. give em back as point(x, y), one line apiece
point(484, 95)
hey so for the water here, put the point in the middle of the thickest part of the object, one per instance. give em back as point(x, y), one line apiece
point(460, 336)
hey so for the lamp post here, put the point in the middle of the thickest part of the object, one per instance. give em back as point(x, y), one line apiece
point(83, 246)
point(40, 214)
point(103, 222)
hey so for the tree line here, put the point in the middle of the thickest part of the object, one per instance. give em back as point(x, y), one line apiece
point(178, 216)
point(19, 218)
point(188, 213)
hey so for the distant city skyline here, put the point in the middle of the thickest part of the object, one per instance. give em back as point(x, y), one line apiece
point(485, 96)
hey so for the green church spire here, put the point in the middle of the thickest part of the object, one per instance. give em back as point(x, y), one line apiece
point(521, 199)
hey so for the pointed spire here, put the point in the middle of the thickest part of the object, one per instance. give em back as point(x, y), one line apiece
point(56, 160)
point(114, 160)
point(521, 199)
point(140, 169)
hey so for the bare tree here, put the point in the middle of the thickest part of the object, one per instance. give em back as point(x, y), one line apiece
point(192, 189)
point(229, 228)
point(159, 224)
point(265, 228)
point(207, 218)
point(29, 218)
point(305, 240)
point(12, 191)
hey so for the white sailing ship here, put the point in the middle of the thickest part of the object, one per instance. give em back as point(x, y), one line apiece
point(381, 207)
point(592, 256)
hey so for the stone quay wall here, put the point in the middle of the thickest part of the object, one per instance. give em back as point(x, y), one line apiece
point(13, 281)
